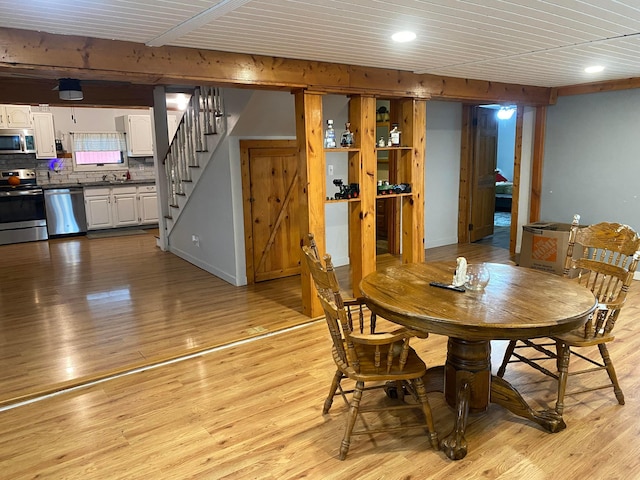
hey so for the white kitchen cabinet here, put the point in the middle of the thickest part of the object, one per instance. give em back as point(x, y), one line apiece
point(138, 133)
point(120, 206)
point(15, 116)
point(147, 204)
point(125, 206)
point(44, 133)
point(98, 208)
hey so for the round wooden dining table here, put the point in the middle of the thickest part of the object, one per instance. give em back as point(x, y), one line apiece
point(517, 303)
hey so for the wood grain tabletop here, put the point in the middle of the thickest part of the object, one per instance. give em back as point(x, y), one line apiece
point(517, 303)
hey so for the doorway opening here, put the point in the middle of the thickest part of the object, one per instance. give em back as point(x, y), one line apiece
point(503, 166)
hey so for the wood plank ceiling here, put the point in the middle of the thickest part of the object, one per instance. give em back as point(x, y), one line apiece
point(535, 42)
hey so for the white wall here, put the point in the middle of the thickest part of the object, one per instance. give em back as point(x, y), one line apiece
point(591, 163)
point(336, 108)
point(210, 216)
point(442, 173)
point(214, 210)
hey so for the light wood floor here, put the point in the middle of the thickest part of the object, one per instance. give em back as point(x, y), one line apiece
point(75, 310)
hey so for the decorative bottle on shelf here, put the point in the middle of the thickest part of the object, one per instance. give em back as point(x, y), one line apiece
point(329, 135)
point(347, 136)
point(394, 135)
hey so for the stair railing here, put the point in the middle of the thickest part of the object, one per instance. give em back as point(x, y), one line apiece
point(203, 116)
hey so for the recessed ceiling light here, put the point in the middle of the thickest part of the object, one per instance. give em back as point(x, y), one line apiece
point(405, 36)
point(594, 69)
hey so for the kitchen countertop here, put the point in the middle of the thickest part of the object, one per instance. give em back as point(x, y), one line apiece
point(97, 184)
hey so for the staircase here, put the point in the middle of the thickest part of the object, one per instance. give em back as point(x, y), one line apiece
point(201, 128)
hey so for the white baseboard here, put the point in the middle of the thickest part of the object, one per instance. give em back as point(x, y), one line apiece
point(207, 267)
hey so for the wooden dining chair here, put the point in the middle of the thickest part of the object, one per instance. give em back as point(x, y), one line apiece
point(605, 265)
point(373, 360)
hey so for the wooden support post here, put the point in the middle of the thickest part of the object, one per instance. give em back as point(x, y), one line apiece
point(538, 163)
point(517, 163)
point(362, 169)
point(411, 168)
point(309, 133)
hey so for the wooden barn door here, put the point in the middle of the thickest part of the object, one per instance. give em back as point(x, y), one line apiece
point(270, 192)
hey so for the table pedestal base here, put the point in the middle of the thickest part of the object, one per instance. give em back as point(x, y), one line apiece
point(468, 386)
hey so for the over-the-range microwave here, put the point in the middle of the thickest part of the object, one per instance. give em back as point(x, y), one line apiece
point(17, 140)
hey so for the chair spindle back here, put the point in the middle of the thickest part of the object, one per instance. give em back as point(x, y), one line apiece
point(339, 318)
point(610, 254)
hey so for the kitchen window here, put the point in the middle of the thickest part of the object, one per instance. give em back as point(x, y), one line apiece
point(99, 151)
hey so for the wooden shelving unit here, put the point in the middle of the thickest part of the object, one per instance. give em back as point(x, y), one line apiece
point(394, 195)
point(407, 162)
point(343, 200)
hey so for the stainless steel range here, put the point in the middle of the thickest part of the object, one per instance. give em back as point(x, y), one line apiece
point(22, 212)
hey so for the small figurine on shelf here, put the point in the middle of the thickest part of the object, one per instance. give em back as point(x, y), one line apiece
point(382, 115)
point(394, 136)
point(346, 191)
point(381, 142)
point(329, 135)
point(384, 187)
point(402, 188)
point(347, 136)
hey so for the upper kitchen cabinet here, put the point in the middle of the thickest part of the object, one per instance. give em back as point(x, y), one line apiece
point(44, 134)
point(15, 116)
point(137, 129)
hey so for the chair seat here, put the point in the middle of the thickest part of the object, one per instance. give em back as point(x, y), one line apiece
point(576, 338)
point(414, 367)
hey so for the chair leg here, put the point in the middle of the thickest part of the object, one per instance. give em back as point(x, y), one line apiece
point(563, 369)
point(332, 391)
point(351, 419)
point(507, 356)
point(604, 352)
point(421, 391)
point(400, 389)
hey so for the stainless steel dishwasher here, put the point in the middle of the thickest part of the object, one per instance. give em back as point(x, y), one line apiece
point(65, 211)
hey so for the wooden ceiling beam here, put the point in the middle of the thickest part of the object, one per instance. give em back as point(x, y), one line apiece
point(597, 87)
point(52, 56)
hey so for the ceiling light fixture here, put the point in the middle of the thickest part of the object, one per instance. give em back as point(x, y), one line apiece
point(594, 69)
point(405, 36)
point(69, 89)
point(505, 113)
